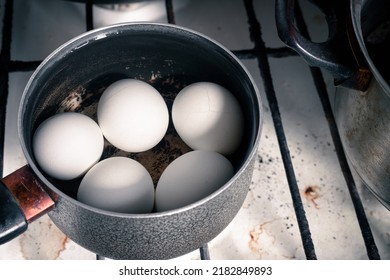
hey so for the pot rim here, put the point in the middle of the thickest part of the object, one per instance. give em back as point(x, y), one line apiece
point(100, 33)
point(355, 10)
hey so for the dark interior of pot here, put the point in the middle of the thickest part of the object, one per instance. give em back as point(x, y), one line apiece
point(168, 58)
point(375, 24)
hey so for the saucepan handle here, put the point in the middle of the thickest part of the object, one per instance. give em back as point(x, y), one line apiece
point(22, 200)
point(12, 220)
point(338, 54)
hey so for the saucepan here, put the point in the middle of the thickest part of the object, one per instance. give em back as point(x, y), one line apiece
point(73, 78)
point(356, 53)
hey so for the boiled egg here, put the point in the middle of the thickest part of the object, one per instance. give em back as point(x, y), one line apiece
point(132, 115)
point(207, 116)
point(118, 184)
point(191, 177)
point(66, 145)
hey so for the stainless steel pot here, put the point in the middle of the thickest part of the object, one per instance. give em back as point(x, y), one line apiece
point(72, 78)
point(356, 53)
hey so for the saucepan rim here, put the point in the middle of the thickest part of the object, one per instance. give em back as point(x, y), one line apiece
point(98, 34)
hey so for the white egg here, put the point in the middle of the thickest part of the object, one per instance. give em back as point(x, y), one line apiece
point(118, 184)
point(191, 177)
point(208, 117)
point(133, 115)
point(66, 145)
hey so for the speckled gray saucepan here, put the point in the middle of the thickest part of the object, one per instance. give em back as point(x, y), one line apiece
point(168, 57)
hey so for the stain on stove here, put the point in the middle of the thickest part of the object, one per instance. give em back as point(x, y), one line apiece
point(288, 224)
point(260, 159)
point(263, 236)
point(269, 160)
point(42, 241)
point(312, 194)
point(250, 197)
point(259, 235)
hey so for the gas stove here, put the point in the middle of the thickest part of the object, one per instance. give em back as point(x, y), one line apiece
point(299, 205)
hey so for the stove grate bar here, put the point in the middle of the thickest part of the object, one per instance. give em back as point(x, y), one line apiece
point(170, 12)
point(22, 66)
point(260, 49)
point(271, 52)
point(89, 15)
point(204, 252)
point(5, 57)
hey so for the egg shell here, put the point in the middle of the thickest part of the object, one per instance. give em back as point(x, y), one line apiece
point(207, 116)
point(66, 145)
point(190, 178)
point(118, 184)
point(133, 115)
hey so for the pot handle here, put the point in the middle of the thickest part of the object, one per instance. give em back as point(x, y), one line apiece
point(22, 200)
point(12, 219)
point(339, 54)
